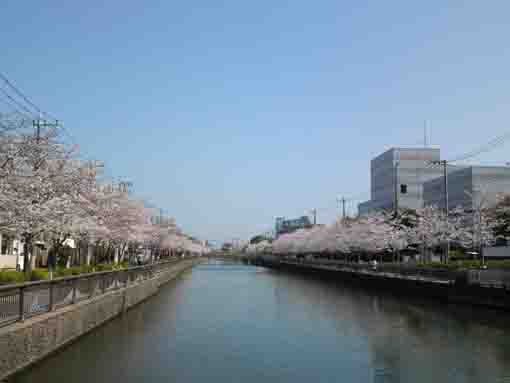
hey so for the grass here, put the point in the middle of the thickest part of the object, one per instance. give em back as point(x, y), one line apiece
point(40, 274)
point(10, 276)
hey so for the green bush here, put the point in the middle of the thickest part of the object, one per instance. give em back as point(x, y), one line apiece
point(9, 276)
point(105, 267)
point(433, 265)
point(87, 269)
point(39, 275)
point(63, 272)
point(123, 265)
point(470, 264)
point(77, 270)
point(451, 266)
point(456, 254)
point(503, 264)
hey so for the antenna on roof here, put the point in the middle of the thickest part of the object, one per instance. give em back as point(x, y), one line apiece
point(425, 144)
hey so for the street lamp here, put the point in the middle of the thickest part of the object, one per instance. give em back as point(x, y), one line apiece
point(477, 209)
point(18, 266)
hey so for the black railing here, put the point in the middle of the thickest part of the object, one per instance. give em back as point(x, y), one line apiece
point(381, 269)
point(22, 301)
point(496, 278)
point(493, 278)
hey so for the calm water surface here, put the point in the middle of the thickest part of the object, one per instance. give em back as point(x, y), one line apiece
point(233, 323)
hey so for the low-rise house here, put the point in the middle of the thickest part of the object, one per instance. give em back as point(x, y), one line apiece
point(11, 250)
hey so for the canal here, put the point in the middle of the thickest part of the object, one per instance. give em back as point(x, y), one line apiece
point(226, 322)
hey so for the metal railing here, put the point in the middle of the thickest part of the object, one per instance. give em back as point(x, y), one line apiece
point(490, 278)
point(18, 302)
point(495, 278)
point(401, 271)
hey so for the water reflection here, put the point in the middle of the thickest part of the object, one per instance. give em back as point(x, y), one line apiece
point(228, 322)
point(407, 340)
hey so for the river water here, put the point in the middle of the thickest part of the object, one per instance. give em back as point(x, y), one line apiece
point(226, 322)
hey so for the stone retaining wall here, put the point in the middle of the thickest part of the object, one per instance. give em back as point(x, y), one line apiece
point(456, 291)
point(24, 343)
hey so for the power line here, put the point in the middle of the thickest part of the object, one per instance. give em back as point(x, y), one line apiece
point(20, 95)
point(346, 203)
point(357, 197)
point(490, 145)
point(14, 108)
point(39, 111)
point(30, 114)
point(24, 97)
point(17, 103)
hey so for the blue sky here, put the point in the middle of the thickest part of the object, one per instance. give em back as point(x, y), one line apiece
point(229, 113)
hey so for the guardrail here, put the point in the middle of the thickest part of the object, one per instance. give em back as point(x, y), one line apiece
point(495, 278)
point(18, 302)
point(491, 278)
point(388, 270)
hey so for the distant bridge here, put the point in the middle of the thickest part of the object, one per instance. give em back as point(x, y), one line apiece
point(230, 256)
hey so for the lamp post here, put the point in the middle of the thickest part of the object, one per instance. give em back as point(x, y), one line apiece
point(395, 180)
point(477, 222)
point(16, 252)
point(444, 163)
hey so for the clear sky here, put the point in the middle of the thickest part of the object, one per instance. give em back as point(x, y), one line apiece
point(229, 113)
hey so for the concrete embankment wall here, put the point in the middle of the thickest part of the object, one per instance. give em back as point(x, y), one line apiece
point(456, 292)
point(24, 343)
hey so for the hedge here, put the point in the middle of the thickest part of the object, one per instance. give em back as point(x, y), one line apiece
point(40, 274)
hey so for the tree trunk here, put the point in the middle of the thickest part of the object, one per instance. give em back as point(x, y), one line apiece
point(27, 262)
point(123, 252)
point(79, 253)
point(90, 254)
point(111, 254)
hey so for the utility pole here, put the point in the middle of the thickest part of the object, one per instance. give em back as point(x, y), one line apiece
point(314, 211)
point(27, 249)
point(396, 166)
point(425, 133)
point(444, 163)
point(343, 200)
point(38, 124)
point(445, 171)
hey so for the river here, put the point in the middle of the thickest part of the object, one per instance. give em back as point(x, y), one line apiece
point(224, 322)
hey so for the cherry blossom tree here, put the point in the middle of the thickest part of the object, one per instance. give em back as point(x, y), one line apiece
point(47, 191)
point(43, 192)
point(480, 224)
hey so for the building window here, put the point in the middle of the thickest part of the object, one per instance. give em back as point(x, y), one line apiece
point(7, 244)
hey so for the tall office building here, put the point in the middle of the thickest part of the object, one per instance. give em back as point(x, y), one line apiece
point(398, 175)
point(469, 188)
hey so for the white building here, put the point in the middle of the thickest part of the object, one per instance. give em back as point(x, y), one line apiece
point(398, 175)
point(11, 250)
